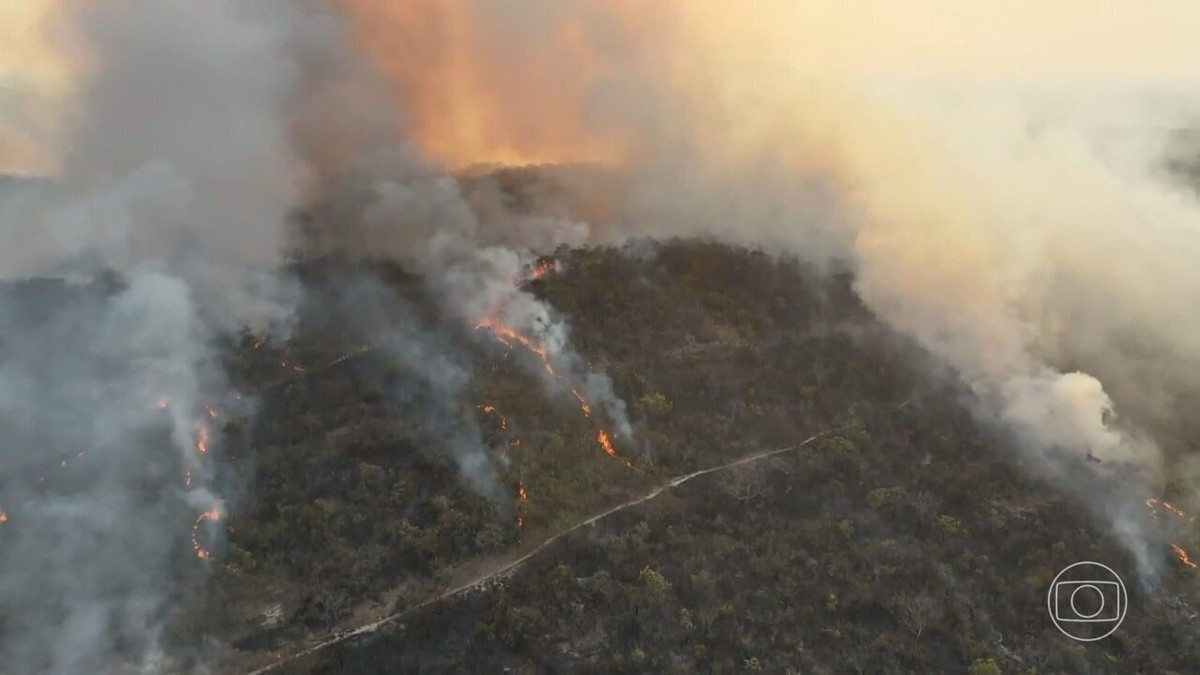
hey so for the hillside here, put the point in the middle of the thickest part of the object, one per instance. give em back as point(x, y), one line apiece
point(906, 538)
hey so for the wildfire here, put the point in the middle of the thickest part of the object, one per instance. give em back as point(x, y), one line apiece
point(3, 517)
point(1154, 506)
point(284, 364)
point(1183, 556)
point(540, 270)
point(508, 336)
point(492, 410)
point(212, 515)
point(260, 341)
point(202, 438)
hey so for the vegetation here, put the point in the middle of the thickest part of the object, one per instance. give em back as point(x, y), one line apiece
point(908, 540)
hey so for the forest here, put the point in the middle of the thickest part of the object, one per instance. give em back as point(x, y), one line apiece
point(907, 538)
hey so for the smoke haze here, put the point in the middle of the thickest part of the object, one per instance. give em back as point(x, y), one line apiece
point(1000, 194)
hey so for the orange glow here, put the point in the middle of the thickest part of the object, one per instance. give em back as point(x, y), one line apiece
point(489, 85)
point(506, 335)
point(606, 443)
point(3, 517)
point(541, 270)
point(202, 439)
point(1154, 505)
point(1183, 556)
point(212, 515)
point(260, 341)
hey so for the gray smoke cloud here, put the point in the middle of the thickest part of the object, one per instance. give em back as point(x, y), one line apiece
point(199, 132)
point(1011, 214)
point(179, 176)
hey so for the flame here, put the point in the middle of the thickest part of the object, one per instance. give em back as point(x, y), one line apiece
point(213, 515)
point(3, 517)
point(1183, 556)
point(260, 341)
point(162, 402)
point(506, 335)
point(284, 364)
point(1154, 504)
point(477, 93)
point(211, 412)
point(521, 494)
point(538, 271)
point(202, 438)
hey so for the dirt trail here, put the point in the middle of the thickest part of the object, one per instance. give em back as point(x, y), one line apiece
point(507, 565)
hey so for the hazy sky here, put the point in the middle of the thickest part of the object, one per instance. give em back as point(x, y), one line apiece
point(1146, 41)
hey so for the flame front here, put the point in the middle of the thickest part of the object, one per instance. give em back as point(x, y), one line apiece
point(212, 515)
point(1183, 556)
point(507, 335)
point(1154, 505)
point(202, 438)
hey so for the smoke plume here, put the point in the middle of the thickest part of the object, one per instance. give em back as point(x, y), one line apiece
point(1008, 210)
point(1010, 213)
point(196, 136)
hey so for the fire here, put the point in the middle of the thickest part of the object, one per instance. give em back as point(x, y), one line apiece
point(477, 95)
point(3, 517)
point(538, 271)
point(284, 364)
point(211, 412)
point(1154, 504)
point(507, 336)
point(521, 494)
point(162, 403)
point(1183, 556)
point(202, 438)
point(212, 515)
point(492, 410)
point(260, 341)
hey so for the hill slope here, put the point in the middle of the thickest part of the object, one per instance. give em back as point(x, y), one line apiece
point(906, 539)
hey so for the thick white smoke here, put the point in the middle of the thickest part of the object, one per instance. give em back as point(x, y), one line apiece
point(179, 176)
point(197, 134)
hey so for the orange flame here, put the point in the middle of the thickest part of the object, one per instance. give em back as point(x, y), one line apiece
point(260, 341)
point(1154, 504)
point(606, 443)
point(3, 517)
point(521, 494)
point(1183, 556)
point(476, 94)
point(507, 336)
point(212, 515)
point(202, 439)
point(540, 270)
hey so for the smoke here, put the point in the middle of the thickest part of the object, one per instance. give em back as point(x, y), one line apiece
point(1009, 210)
point(1024, 235)
point(178, 177)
